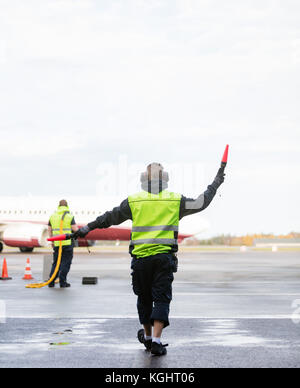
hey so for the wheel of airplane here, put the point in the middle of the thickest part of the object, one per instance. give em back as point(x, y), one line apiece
point(26, 250)
point(1, 247)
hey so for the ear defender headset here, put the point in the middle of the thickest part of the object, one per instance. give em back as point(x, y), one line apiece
point(155, 171)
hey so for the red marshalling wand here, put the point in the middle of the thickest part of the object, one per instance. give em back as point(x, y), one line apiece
point(225, 156)
point(61, 237)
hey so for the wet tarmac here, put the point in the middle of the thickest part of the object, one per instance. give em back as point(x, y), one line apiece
point(229, 310)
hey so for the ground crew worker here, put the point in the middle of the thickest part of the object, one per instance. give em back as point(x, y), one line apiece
point(155, 214)
point(69, 226)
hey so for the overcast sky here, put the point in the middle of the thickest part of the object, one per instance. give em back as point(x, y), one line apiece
point(84, 83)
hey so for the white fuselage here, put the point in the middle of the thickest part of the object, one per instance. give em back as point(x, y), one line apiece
point(24, 220)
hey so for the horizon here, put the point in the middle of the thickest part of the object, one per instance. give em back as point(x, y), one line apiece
point(91, 89)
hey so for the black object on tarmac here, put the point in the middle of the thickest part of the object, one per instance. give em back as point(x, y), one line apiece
point(88, 280)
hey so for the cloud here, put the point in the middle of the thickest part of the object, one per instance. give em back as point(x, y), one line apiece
point(172, 80)
point(37, 144)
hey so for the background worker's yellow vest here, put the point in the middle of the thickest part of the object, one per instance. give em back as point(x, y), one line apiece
point(155, 222)
point(55, 224)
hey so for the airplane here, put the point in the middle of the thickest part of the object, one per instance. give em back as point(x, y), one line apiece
point(24, 221)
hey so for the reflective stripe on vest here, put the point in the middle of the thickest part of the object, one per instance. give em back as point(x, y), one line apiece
point(155, 220)
point(57, 231)
point(55, 221)
point(166, 241)
point(154, 228)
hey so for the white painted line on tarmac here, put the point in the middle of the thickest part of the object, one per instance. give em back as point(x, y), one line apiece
point(238, 282)
point(231, 294)
point(235, 317)
point(2, 311)
point(131, 295)
point(94, 317)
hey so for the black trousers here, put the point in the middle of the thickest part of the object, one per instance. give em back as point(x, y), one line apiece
point(152, 279)
point(66, 261)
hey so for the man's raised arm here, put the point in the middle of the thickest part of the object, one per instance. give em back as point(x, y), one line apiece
point(192, 206)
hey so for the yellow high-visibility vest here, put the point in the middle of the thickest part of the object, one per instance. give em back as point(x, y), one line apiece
point(155, 219)
point(55, 220)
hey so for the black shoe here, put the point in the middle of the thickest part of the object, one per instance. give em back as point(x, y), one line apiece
point(51, 285)
point(65, 285)
point(158, 349)
point(141, 338)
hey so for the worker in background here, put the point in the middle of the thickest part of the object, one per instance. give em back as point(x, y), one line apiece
point(69, 226)
point(155, 214)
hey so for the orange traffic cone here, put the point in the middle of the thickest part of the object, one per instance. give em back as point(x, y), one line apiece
point(4, 271)
point(28, 274)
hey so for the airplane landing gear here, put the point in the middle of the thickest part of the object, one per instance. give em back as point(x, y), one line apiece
point(1, 247)
point(26, 250)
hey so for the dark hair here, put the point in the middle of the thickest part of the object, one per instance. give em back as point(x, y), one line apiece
point(63, 202)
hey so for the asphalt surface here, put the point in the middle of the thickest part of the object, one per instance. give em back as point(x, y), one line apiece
point(229, 310)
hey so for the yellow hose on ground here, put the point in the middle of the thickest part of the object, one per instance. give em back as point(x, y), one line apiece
point(41, 285)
